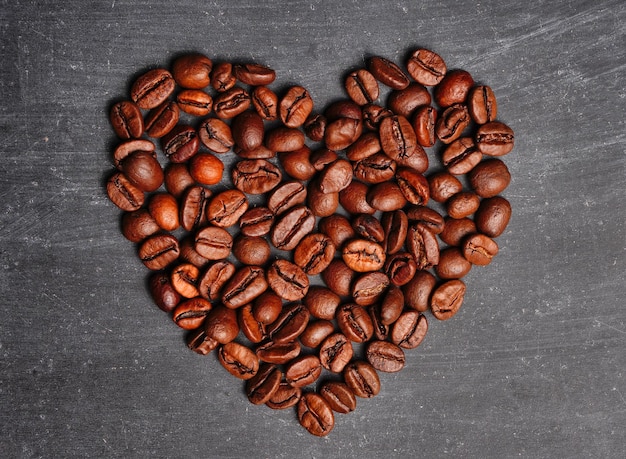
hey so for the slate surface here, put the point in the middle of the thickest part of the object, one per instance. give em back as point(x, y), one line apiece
point(532, 366)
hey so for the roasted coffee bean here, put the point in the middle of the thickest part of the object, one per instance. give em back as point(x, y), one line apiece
point(216, 135)
point(254, 74)
point(180, 144)
point(400, 267)
point(335, 177)
point(413, 185)
point(362, 379)
point(368, 227)
point(267, 307)
point(252, 329)
point(452, 264)
point(260, 152)
point(195, 102)
point(395, 226)
point(354, 322)
point(424, 122)
point(323, 157)
point(405, 101)
point(489, 178)
point(230, 103)
point(339, 276)
point(386, 196)
point(256, 221)
point(314, 253)
point(385, 356)
point(453, 88)
point(248, 130)
point(322, 302)
point(315, 414)
point(479, 249)
point(163, 207)
point(338, 395)
point(426, 67)
point(316, 332)
point(184, 279)
point(391, 305)
point(366, 145)
point(387, 72)
point(377, 168)
point(214, 278)
point(447, 299)
point(443, 185)
point(291, 227)
point(193, 207)
point(315, 126)
point(162, 119)
point(262, 386)
point(381, 331)
point(361, 87)
point(251, 250)
point(409, 330)
point(342, 132)
point(336, 352)
point(285, 196)
point(158, 251)
point(226, 208)
point(362, 255)
point(200, 343)
point(321, 204)
point(129, 147)
point(213, 242)
point(221, 324)
point(461, 156)
point(177, 179)
point(343, 108)
point(143, 170)
point(353, 198)
point(369, 287)
point(399, 142)
point(285, 397)
point(246, 284)
point(192, 71)
point(162, 292)
point(222, 78)
point(284, 138)
point(191, 313)
point(495, 139)
point(373, 114)
point(188, 253)
point(493, 216)
point(287, 280)
point(126, 120)
point(256, 176)
point(152, 88)
point(291, 322)
point(337, 227)
point(265, 102)
point(482, 104)
point(278, 353)
point(452, 122)
point(427, 216)
point(238, 360)
point(423, 246)
point(295, 107)
point(297, 163)
point(138, 225)
point(303, 370)
point(456, 229)
point(462, 204)
point(418, 290)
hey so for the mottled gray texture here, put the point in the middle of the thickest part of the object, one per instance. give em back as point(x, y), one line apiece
point(532, 366)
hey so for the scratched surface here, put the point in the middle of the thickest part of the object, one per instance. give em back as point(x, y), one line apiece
point(532, 366)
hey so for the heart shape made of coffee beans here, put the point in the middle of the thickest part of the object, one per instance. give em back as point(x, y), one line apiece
point(312, 265)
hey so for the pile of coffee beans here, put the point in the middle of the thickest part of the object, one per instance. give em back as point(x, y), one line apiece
point(311, 265)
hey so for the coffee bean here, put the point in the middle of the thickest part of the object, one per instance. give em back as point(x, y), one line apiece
point(338, 395)
point(251, 250)
point(158, 251)
point(395, 225)
point(291, 322)
point(238, 360)
point(405, 101)
point(427, 216)
point(152, 88)
point(286, 196)
point(246, 284)
point(206, 168)
point(200, 343)
point(195, 102)
point(376, 168)
point(462, 204)
point(413, 185)
point(267, 307)
point(162, 291)
point(265, 102)
point(254, 74)
point(231, 103)
point(213, 243)
point(424, 122)
point(387, 72)
point(256, 221)
point(180, 144)
point(398, 141)
point(442, 185)
point(381, 331)
point(193, 207)
point(386, 196)
point(489, 178)
point(362, 379)
point(316, 332)
point(278, 353)
point(248, 130)
point(337, 227)
point(447, 299)
point(216, 135)
point(362, 255)
point(191, 313)
point(418, 290)
point(177, 179)
point(222, 78)
point(163, 207)
point(453, 88)
point(456, 229)
point(493, 216)
point(482, 104)
point(342, 132)
point(255, 176)
point(479, 249)
point(452, 264)
point(138, 225)
point(284, 397)
point(287, 280)
point(303, 370)
point(361, 87)
point(461, 156)
point(335, 176)
point(162, 119)
point(426, 67)
point(214, 278)
point(391, 305)
point(221, 324)
point(184, 279)
point(252, 329)
point(423, 246)
point(315, 414)
point(262, 386)
point(192, 71)
point(225, 208)
point(321, 302)
point(315, 126)
point(353, 198)
point(409, 330)
point(354, 322)
point(143, 170)
point(295, 107)
point(400, 267)
point(385, 356)
point(452, 122)
point(126, 120)
point(189, 254)
point(335, 352)
point(368, 227)
point(495, 139)
point(291, 227)
point(297, 163)
point(314, 253)
point(129, 147)
point(369, 287)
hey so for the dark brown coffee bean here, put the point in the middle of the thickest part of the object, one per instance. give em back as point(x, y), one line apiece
point(314, 253)
point(188, 253)
point(177, 179)
point(291, 322)
point(452, 264)
point(399, 142)
point(251, 250)
point(391, 305)
point(366, 145)
point(152, 88)
point(162, 292)
point(377, 168)
point(447, 299)
point(337, 227)
point(195, 102)
point(143, 170)
point(297, 163)
point(181, 143)
point(315, 126)
point(213, 243)
point(453, 88)
point(221, 324)
point(248, 130)
point(262, 386)
point(226, 208)
point(405, 101)
point(427, 216)
point(303, 370)
point(368, 288)
point(193, 207)
point(462, 204)
point(287, 280)
point(361, 87)
point(418, 290)
point(456, 229)
point(362, 379)
point(387, 72)
point(368, 227)
point(285, 397)
point(413, 185)
point(461, 156)
point(495, 139)
point(265, 102)
point(192, 71)
point(222, 78)
point(385, 356)
point(400, 267)
point(163, 207)
point(336, 352)
point(256, 176)
point(278, 353)
point(361, 255)
point(129, 147)
point(395, 226)
point(316, 332)
point(321, 204)
point(322, 302)
point(256, 221)
point(423, 246)
point(184, 279)
point(424, 122)
point(295, 107)
point(252, 329)
point(338, 277)
point(138, 225)
point(482, 104)
point(246, 284)
point(373, 114)
point(200, 343)
point(158, 251)
point(214, 278)
point(479, 249)
point(353, 198)
point(126, 120)
point(452, 122)
point(493, 216)
point(489, 178)
point(409, 330)
point(342, 132)
point(339, 396)
point(285, 196)
point(230, 103)
point(335, 176)
point(267, 307)
point(315, 414)
point(254, 74)
point(291, 227)
point(426, 67)
point(443, 185)
point(216, 135)
point(354, 322)
point(322, 157)
point(191, 313)
point(162, 119)
point(238, 360)
point(386, 196)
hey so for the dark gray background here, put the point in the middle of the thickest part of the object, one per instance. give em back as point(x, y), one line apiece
point(532, 366)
